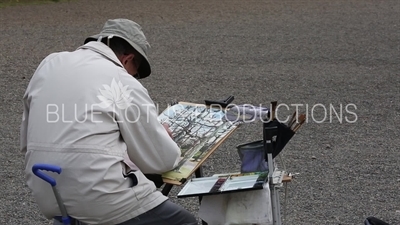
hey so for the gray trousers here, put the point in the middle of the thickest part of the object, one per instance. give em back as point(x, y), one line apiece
point(168, 213)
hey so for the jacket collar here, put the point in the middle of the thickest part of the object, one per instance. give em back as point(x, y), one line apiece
point(102, 49)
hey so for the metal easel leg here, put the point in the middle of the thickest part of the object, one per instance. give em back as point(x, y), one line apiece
point(269, 132)
point(276, 207)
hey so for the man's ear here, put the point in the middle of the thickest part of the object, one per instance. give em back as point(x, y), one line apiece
point(125, 59)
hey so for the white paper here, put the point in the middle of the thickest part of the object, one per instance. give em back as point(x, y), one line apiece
point(247, 207)
point(241, 182)
point(203, 185)
point(198, 186)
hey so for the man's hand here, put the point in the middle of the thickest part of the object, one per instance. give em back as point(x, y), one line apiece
point(166, 126)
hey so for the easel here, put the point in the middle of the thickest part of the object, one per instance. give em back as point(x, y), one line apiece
point(273, 144)
point(275, 180)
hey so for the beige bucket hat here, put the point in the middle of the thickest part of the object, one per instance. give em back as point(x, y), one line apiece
point(133, 34)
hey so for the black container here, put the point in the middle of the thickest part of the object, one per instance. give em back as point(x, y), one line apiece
point(253, 155)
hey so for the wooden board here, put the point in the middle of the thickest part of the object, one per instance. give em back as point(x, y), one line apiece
point(199, 130)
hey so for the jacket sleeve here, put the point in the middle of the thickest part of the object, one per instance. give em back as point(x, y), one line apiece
point(149, 146)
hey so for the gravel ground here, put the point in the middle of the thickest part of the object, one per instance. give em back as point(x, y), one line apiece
point(332, 53)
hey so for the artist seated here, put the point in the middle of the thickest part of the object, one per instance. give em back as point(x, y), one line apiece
point(91, 138)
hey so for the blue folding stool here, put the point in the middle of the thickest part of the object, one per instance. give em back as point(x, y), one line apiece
point(36, 169)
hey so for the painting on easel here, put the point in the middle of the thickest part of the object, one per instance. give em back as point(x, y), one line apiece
point(198, 130)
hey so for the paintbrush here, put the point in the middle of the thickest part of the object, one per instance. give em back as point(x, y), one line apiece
point(295, 121)
point(273, 109)
point(302, 119)
point(291, 120)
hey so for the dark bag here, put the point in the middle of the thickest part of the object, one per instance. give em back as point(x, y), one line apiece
point(283, 136)
point(253, 155)
point(374, 221)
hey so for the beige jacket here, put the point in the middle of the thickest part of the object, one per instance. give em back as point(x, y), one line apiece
point(84, 113)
